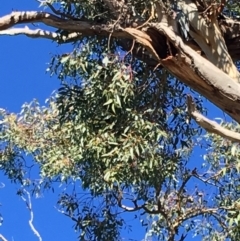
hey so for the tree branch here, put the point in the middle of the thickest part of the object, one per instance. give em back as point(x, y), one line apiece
point(201, 75)
point(39, 33)
point(207, 34)
point(209, 125)
point(3, 238)
point(29, 206)
point(188, 66)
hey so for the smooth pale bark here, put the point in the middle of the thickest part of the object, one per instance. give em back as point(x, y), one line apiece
point(201, 75)
point(207, 34)
point(187, 65)
point(209, 125)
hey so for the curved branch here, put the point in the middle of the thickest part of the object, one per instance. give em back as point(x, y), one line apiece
point(209, 125)
point(187, 65)
point(51, 20)
point(202, 75)
point(29, 206)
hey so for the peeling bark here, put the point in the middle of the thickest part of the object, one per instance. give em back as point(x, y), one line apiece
point(215, 78)
point(209, 37)
point(202, 75)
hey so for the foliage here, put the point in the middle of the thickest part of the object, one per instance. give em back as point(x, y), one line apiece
point(120, 128)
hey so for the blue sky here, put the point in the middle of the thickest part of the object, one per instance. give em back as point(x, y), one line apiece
point(23, 77)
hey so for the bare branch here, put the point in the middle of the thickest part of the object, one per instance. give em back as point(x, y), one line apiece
point(39, 33)
point(130, 209)
point(29, 206)
point(66, 214)
point(207, 180)
point(186, 65)
point(124, 207)
point(84, 27)
point(3, 238)
point(209, 125)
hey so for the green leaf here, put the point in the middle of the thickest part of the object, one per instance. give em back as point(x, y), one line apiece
point(113, 108)
point(107, 176)
point(108, 102)
point(119, 101)
point(65, 59)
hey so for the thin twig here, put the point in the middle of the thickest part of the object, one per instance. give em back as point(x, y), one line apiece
point(57, 12)
point(29, 206)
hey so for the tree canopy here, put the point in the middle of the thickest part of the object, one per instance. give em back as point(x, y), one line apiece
point(130, 113)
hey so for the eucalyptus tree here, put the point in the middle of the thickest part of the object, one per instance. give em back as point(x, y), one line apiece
point(130, 113)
